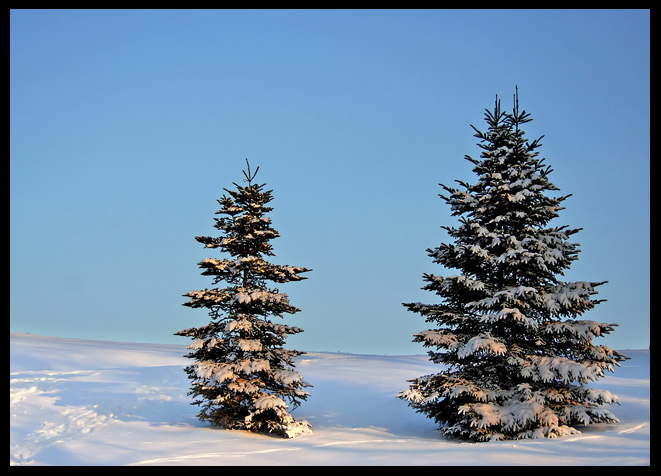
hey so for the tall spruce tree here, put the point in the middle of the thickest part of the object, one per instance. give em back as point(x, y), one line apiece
point(516, 357)
point(242, 376)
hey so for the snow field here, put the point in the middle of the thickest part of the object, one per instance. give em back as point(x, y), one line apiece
point(81, 402)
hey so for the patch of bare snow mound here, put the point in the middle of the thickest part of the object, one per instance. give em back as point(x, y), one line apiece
point(83, 402)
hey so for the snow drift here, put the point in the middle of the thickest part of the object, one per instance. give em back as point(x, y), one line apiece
point(83, 402)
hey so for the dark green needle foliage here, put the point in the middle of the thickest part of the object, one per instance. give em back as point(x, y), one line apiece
point(242, 376)
point(507, 333)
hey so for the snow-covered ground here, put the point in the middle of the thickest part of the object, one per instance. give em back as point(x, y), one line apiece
point(83, 402)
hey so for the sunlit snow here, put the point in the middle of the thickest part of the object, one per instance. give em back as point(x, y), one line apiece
point(82, 402)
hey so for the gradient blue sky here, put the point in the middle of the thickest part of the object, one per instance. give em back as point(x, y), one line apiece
point(125, 126)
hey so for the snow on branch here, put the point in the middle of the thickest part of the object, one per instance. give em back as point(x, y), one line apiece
point(482, 342)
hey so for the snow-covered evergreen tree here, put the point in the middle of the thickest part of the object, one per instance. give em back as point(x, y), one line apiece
point(242, 376)
point(516, 357)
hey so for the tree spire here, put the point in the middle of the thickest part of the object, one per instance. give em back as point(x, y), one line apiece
point(249, 176)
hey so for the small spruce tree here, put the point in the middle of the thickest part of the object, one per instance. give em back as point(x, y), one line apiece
point(243, 377)
point(516, 357)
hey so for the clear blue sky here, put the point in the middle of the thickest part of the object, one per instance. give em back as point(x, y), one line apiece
point(126, 125)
